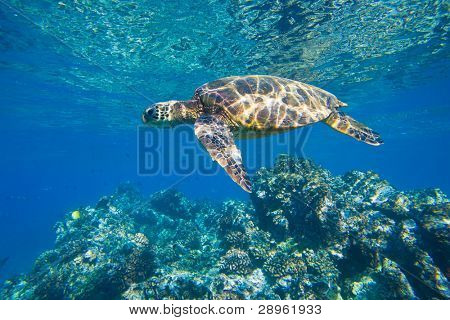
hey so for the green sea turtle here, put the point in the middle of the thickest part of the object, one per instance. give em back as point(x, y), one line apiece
point(233, 106)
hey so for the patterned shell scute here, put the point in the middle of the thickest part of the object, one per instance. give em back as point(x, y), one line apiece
point(267, 102)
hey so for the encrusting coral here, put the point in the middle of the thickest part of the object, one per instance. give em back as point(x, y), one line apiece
point(306, 235)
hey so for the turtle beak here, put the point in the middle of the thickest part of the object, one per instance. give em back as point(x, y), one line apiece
point(148, 114)
point(144, 118)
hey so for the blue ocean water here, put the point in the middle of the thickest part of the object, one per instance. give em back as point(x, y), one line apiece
point(76, 75)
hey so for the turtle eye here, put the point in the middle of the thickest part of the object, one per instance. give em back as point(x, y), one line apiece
point(150, 112)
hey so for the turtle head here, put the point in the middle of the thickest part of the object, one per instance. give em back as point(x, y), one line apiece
point(170, 112)
point(159, 112)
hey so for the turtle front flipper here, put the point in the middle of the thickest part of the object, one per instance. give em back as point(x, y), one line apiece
point(217, 138)
point(349, 126)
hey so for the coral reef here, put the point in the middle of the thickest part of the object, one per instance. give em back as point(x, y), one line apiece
point(360, 238)
point(235, 261)
point(306, 235)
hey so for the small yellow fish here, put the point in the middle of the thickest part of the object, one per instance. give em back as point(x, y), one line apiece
point(76, 215)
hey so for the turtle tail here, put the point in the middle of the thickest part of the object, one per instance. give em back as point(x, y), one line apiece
point(349, 126)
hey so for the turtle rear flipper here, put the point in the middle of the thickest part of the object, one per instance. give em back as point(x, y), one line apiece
point(217, 138)
point(349, 126)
